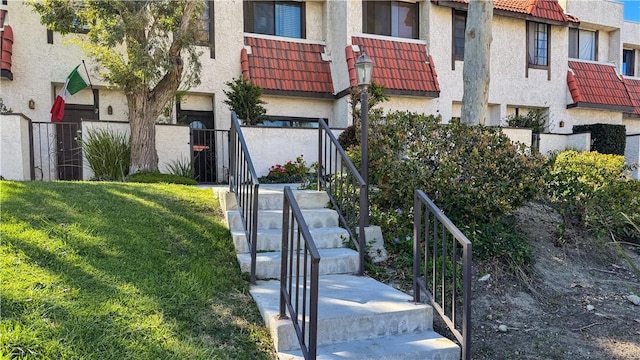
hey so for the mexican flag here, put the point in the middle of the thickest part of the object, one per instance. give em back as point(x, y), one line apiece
point(74, 83)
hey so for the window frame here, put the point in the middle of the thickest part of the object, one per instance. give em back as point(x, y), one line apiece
point(577, 47)
point(416, 21)
point(292, 121)
point(455, 17)
point(623, 69)
point(249, 21)
point(536, 48)
point(211, 41)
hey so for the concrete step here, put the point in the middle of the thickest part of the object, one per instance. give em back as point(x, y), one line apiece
point(271, 199)
point(271, 239)
point(272, 219)
point(350, 308)
point(414, 346)
point(334, 261)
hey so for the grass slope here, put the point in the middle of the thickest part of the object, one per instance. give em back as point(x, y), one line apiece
point(121, 271)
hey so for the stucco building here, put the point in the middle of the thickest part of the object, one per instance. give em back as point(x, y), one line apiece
point(578, 60)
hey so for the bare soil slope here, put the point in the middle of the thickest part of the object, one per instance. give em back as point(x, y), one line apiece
point(573, 305)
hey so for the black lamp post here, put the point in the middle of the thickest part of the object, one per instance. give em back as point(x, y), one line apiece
point(364, 68)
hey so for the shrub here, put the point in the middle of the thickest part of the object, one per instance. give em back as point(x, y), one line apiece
point(607, 138)
point(575, 175)
point(594, 188)
point(474, 173)
point(535, 119)
point(349, 137)
point(604, 213)
point(291, 172)
point(182, 167)
point(244, 98)
point(156, 177)
point(108, 153)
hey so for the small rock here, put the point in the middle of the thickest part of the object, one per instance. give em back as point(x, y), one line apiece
point(485, 278)
point(635, 299)
point(503, 328)
point(590, 307)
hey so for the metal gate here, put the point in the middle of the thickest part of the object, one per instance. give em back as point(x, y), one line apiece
point(210, 151)
point(57, 151)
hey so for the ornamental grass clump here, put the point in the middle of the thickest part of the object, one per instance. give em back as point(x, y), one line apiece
point(108, 153)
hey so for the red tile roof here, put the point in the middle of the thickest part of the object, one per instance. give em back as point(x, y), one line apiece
point(6, 51)
point(541, 9)
point(597, 85)
point(633, 88)
point(400, 66)
point(287, 66)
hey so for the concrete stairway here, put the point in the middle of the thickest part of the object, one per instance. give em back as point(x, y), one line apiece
point(358, 317)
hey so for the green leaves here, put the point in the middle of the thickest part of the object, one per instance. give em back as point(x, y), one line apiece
point(243, 97)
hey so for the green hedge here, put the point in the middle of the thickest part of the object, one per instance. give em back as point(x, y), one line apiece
point(607, 138)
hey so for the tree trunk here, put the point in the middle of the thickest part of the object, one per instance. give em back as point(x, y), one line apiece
point(142, 120)
point(477, 45)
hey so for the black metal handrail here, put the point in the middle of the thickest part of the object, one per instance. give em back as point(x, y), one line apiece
point(243, 182)
point(345, 186)
point(435, 230)
point(299, 294)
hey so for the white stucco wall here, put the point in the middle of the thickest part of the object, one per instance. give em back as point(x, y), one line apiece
point(632, 153)
point(559, 142)
point(300, 107)
point(518, 135)
point(172, 142)
point(602, 13)
point(271, 146)
point(14, 147)
point(584, 116)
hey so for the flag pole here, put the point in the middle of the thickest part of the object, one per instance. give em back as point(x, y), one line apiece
point(91, 86)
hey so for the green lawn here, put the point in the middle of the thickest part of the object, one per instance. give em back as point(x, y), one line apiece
point(121, 271)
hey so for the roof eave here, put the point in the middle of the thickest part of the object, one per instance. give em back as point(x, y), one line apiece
point(610, 107)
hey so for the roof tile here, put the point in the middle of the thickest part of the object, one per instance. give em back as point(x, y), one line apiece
point(398, 65)
point(542, 9)
point(597, 85)
point(633, 88)
point(285, 65)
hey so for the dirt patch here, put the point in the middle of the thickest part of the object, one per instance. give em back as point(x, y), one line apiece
point(572, 305)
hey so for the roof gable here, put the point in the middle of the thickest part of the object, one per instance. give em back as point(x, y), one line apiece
point(285, 66)
point(598, 86)
point(549, 10)
point(402, 67)
point(633, 88)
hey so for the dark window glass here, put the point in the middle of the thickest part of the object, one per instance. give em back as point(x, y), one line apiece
point(205, 26)
point(391, 18)
point(628, 62)
point(287, 121)
point(280, 18)
point(459, 27)
point(582, 44)
point(538, 52)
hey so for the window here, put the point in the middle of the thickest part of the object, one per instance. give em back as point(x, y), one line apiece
point(390, 18)
point(280, 18)
point(628, 62)
point(538, 44)
point(583, 44)
point(459, 28)
point(288, 121)
point(205, 36)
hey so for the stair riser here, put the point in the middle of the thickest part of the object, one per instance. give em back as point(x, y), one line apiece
point(272, 241)
point(306, 200)
point(268, 267)
point(273, 219)
point(342, 329)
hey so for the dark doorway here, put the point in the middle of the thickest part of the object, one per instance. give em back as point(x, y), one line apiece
point(69, 140)
point(203, 143)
